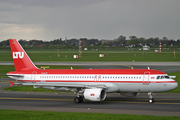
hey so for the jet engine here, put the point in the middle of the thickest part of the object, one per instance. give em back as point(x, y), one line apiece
point(96, 94)
point(129, 94)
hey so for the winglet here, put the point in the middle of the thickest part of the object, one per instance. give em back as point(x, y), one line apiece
point(11, 83)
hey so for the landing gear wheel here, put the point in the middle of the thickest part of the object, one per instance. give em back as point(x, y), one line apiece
point(151, 100)
point(78, 99)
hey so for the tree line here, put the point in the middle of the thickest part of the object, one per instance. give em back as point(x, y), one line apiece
point(120, 42)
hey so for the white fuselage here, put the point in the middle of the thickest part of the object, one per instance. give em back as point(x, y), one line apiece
point(114, 83)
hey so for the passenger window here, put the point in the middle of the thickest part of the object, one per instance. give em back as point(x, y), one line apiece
point(158, 77)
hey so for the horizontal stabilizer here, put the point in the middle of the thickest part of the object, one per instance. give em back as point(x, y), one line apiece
point(11, 83)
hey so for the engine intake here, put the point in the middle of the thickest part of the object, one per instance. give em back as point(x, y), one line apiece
point(96, 94)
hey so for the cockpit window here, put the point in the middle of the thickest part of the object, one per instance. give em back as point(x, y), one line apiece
point(167, 77)
point(162, 77)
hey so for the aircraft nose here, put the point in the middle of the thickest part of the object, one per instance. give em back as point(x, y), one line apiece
point(175, 85)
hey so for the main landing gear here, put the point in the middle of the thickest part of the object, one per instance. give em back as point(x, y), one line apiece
point(78, 99)
point(151, 99)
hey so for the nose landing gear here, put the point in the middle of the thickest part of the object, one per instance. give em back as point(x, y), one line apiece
point(151, 99)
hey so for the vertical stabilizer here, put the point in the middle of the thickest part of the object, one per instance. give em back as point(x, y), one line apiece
point(20, 58)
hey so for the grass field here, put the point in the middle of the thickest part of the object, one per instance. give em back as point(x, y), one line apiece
point(128, 56)
point(46, 115)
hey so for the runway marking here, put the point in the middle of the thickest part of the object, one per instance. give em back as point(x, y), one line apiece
point(35, 99)
point(142, 99)
point(7, 98)
point(144, 102)
point(126, 66)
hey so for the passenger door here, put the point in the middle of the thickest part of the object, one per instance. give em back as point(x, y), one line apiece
point(146, 78)
point(33, 77)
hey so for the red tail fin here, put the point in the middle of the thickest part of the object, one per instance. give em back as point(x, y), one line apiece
point(20, 58)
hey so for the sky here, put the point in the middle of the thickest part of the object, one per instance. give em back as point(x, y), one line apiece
point(98, 19)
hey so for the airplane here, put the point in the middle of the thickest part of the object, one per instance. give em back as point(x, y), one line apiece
point(89, 84)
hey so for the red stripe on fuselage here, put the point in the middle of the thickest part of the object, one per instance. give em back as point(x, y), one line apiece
point(96, 81)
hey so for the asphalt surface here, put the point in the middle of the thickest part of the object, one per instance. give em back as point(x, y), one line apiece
point(166, 104)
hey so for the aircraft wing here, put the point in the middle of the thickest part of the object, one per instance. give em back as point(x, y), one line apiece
point(67, 85)
point(37, 85)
